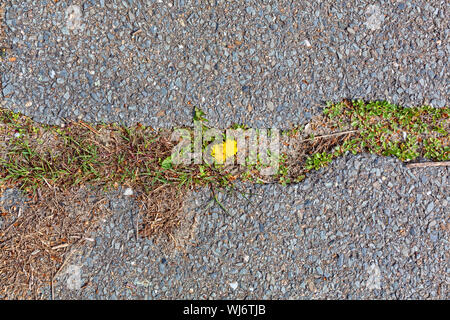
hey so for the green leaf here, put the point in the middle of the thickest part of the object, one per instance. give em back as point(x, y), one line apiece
point(198, 115)
point(167, 163)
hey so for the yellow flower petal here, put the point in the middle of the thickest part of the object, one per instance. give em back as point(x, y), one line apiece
point(221, 152)
point(230, 148)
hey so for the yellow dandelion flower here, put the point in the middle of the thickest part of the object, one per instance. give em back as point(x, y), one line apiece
point(221, 152)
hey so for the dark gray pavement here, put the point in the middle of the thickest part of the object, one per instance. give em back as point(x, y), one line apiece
point(263, 63)
point(366, 227)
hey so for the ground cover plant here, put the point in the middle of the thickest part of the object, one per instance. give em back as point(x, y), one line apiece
point(57, 168)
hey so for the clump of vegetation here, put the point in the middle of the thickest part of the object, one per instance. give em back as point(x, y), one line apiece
point(390, 130)
point(35, 156)
point(377, 127)
point(48, 163)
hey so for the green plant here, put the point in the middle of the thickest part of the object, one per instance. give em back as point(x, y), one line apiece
point(318, 160)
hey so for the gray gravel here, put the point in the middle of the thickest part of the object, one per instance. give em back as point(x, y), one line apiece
point(366, 227)
point(270, 64)
point(12, 202)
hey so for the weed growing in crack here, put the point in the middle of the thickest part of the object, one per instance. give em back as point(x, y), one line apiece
point(49, 163)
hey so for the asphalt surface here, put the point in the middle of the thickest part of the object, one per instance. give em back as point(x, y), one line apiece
point(263, 63)
point(365, 227)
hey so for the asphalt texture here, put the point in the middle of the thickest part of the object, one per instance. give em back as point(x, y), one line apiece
point(365, 227)
point(262, 63)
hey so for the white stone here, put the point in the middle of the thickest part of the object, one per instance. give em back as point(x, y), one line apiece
point(374, 280)
point(74, 279)
point(375, 19)
point(307, 129)
point(73, 14)
point(128, 192)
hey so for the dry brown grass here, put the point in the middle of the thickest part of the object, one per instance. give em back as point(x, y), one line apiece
point(39, 236)
point(161, 209)
point(54, 166)
point(302, 148)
